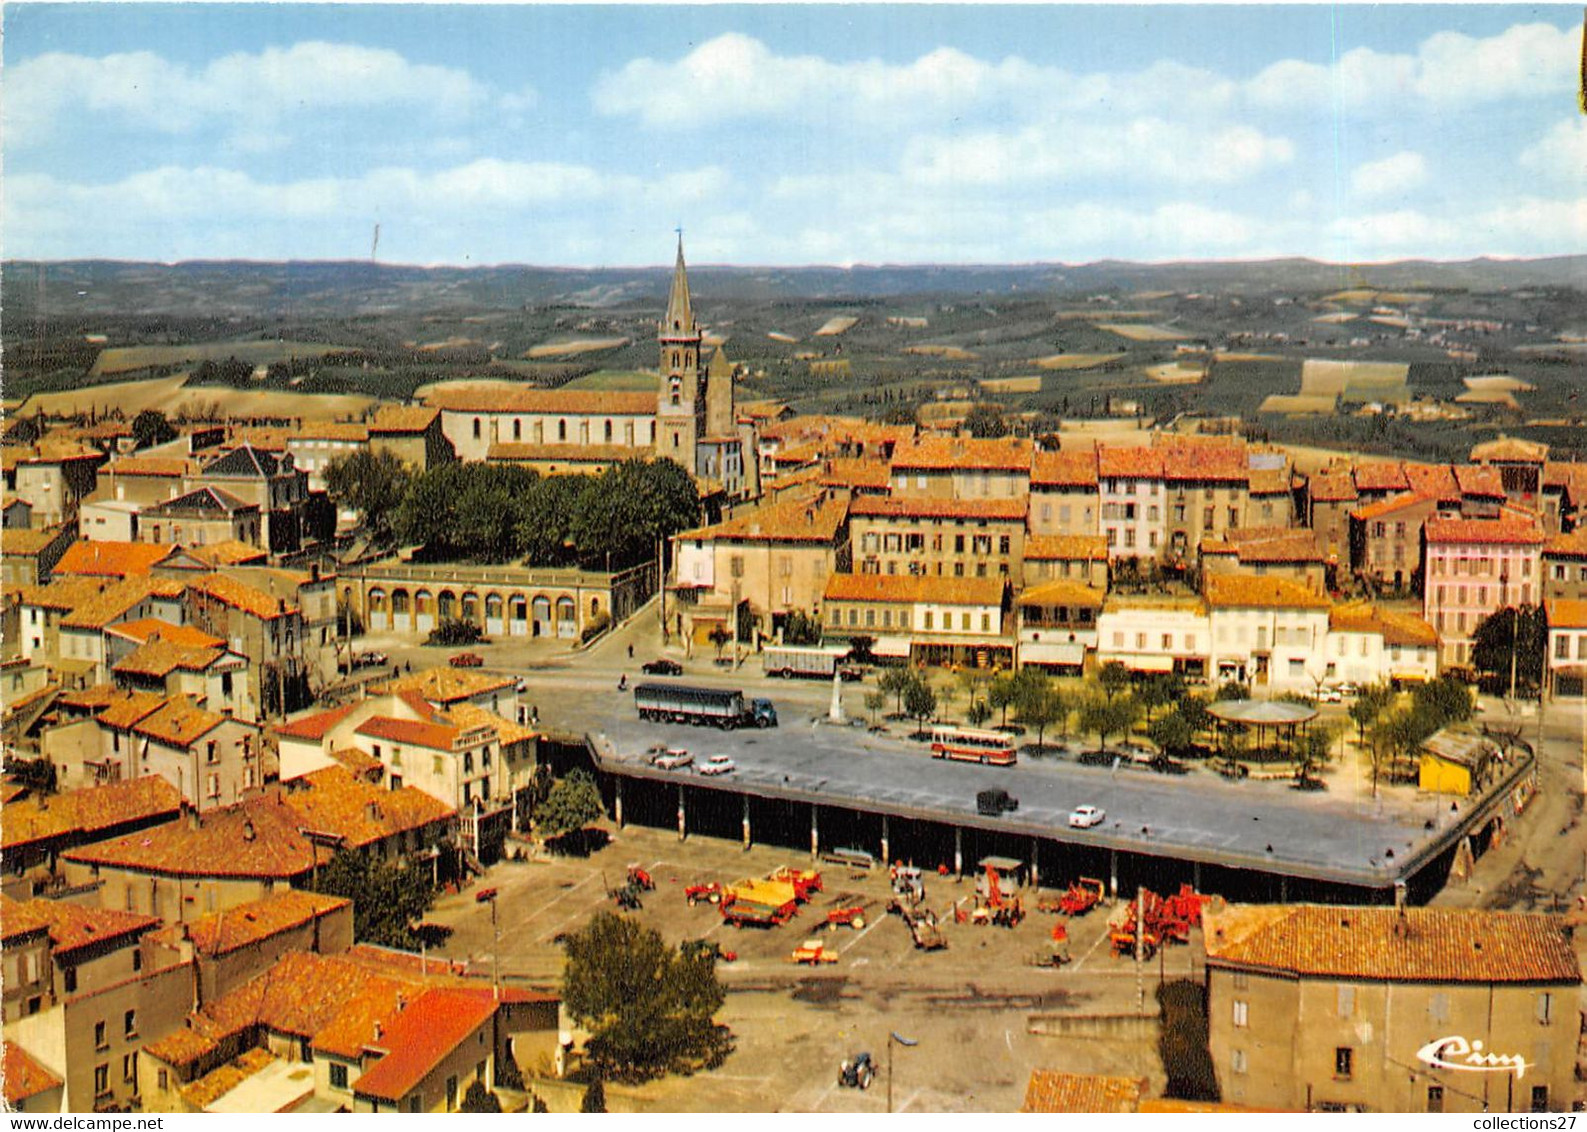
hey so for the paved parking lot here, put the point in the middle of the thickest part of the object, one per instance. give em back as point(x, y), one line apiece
point(969, 1006)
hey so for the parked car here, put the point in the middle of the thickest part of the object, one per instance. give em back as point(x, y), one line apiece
point(661, 666)
point(1136, 752)
point(1084, 817)
point(369, 659)
point(1330, 696)
point(672, 759)
point(1348, 689)
point(717, 764)
point(1009, 729)
point(467, 660)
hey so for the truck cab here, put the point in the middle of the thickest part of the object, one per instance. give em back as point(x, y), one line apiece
point(763, 712)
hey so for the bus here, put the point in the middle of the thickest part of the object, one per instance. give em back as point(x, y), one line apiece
point(991, 748)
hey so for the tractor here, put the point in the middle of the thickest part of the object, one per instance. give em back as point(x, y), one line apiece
point(857, 1072)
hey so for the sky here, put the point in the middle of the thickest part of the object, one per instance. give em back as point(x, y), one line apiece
point(784, 134)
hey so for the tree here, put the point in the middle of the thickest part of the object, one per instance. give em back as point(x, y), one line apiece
point(1312, 753)
point(920, 702)
point(371, 484)
point(1042, 705)
point(985, 422)
point(875, 702)
point(479, 1099)
point(1193, 709)
point(980, 711)
point(720, 636)
point(151, 427)
point(1114, 678)
point(1511, 640)
point(895, 682)
point(452, 632)
point(1000, 693)
point(1233, 690)
point(388, 899)
point(594, 1097)
point(625, 510)
point(545, 520)
point(572, 805)
point(1108, 717)
point(860, 648)
point(24, 430)
point(1369, 703)
point(1171, 732)
point(1162, 689)
point(649, 1007)
point(1444, 700)
point(801, 629)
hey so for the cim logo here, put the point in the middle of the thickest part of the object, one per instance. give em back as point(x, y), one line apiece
point(1458, 1053)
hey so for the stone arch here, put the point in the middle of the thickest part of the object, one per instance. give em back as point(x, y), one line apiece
point(518, 615)
point(494, 607)
point(540, 616)
point(446, 605)
point(567, 617)
point(401, 602)
point(424, 611)
point(469, 606)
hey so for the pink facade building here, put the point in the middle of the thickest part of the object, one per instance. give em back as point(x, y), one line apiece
point(1475, 567)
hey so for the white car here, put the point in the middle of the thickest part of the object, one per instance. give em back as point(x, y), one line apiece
point(674, 758)
point(716, 764)
point(1330, 696)
point(1084, 817)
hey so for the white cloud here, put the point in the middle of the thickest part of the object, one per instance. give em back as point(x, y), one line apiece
point(1562, 152)
point(244, 92)
point(1448, 69)
point(1392, 176)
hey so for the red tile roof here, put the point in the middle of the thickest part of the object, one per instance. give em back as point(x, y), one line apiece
point(153, 628)
point(1069, 467)
point(73, 927)
point(1483, 481)
point(403, 418)
point(1395, 628)
point(240, 595)
point(902, 588)
point(1437, 480)
point(802, 516)
point(1063, 591)
point(435, 736)
point(1332, 487)
point(1058, 548)
point(950, 453)
point(1221, 463)
point(1244, 590)
point(258, 839)
point(1572, 545)
point(333, 800)
point(85, 813)
point(420, 1038)
point(1525, 532)
point(1052, 1091)
point(1510, 450)
point(110, 559)
point(1446, 945)
point(18, 919)
point(1381, 477)
point(445, 685)
point(64, 593)
point(920, 507)
point(24, 1076)
point(573, 402)
point(171, 467)
point(1388, 506)
point(114, 601)
point(1134, 462)
point(179, 722)
point(124, 710)
point(856, 472)
point(221, 933)
point(315, 725)
point(161, 658)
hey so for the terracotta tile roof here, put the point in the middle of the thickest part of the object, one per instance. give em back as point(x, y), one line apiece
point(110, 559)
point(1332, 487)
point(1069, 467)
point(180, 1048)
point(508, 452)
point(1509, 530)
point(18, 919)
point(240, 595)
point(1221, 462)
point(420, 1038)
point(50, 451)
point(917, 507)
point(179, 722)
point(1445, 945)
point(221, 933)
point(110, 603)
point(1270, 481)
point(1063, 591)
point(1381, 477)
point(208, 501)
point(573, 402)
point(1572, 545)
point(302, 994)
point(228, 553)
point(467, 715)
point(24, 1076)
point(331, 430)
point(1394, 627)
point(1244, 590)
point(1268, 545)
point(170, 467)
point(73, 927)
point(903, 588)
point(435, 736)
point(254, 458)
point(358, 764)
point(1393, 503)
point(124, 710)
point(448, 685)
point(93, 699)
point(1133, 462)
point(24, 542)
point(946, 453)
point(315, 725)
point(209, 1088)
point(1564, 613)
point(403, 418)
point(855, 472)
point(146, 629)
point(333, 800)
point(1052, 1091)
point(1483, 481)
point(1437, 480)
point(802, 516)
point(61, 593)
point(82, 814)
point(1060, 548)
point(1510, 450)
point(258, 839)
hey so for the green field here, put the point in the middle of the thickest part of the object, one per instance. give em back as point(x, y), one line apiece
point(616, 381)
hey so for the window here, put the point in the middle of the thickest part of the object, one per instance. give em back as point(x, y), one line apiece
point(338, 1075)
point(100, 1041)
point(69, 979)
point(129, 1069)
point(213, 786)
point(1344, 1062)
point(165, 1079)
point(212, 752)
point(1240, 1012)
point(964, 622)
point(1237, 1060)
point(129, 1024)
point(1347, 1001)
point(1435, 1098)
point(1539, 1098)
point(101, 1079)
point(476, 428)
point(1544, 1008)
point(929, 616)
point(451, 1094)
point(1561, 648)
point(1242, 980)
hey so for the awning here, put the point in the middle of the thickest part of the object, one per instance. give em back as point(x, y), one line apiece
point(1147, 663)
point(1408, 677)
point(891, 647)
point(1059, 652)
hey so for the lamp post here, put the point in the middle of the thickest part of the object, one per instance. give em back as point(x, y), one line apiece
point(894, 1038)
point(488, 896)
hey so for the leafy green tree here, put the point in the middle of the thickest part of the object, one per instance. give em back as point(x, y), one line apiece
point(874, 702)
point(387, 898)
point(860, 649)
point(594, 1097)
point(452, 632)
point(1162, 689)
point(1171, 732)
point(371, 484)
point(649, 1008)
point(151, 427)
point(1041, 706)
point(1233, 690)
point(1000, 693)
point(572, 805)
point(487, 513)
point(1113, 678)
point(985, 422)
point(24, 430)
point(1507, 637)
point(1371, 702)
point(895, 682)
point(626, 509)
point(1108, 716)
point(1313, 751)
point(1193, 710)
point(1444, 700)
point(479, 1099)
point(799, 628)
point(980, 711)
point(720, 636)
point(545, 520)
point(920, 700)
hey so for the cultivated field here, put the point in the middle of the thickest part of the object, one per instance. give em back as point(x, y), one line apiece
point(1143, 332)
point(951, 353)
point(172, 396)
point(1074, 361)
point(1011, 385)
point(613, 380)
point(572, 347)
point(1177, 373)
point(838, 324)
point(122, 359)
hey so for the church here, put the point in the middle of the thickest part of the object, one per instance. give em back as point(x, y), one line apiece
point(691, 418)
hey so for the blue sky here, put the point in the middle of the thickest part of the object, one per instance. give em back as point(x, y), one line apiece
point(791, 134)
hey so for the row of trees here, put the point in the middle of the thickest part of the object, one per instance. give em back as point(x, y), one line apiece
point(495, 512)
point(1393, 733)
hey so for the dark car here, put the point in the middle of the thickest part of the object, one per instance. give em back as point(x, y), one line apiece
point(995, 802)
point(467, 660)
point(662, 667)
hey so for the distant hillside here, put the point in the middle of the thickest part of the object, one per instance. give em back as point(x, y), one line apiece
point(31, 290)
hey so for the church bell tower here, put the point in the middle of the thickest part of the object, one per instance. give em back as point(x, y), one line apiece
point(680, 406)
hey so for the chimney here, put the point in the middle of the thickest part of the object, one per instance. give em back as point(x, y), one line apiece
point(193, 821)
point(248, 832)
point(379, 1031)
point(372, 810)
point(281, 605)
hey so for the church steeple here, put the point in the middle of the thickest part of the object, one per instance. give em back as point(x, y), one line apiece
point(679, 320)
